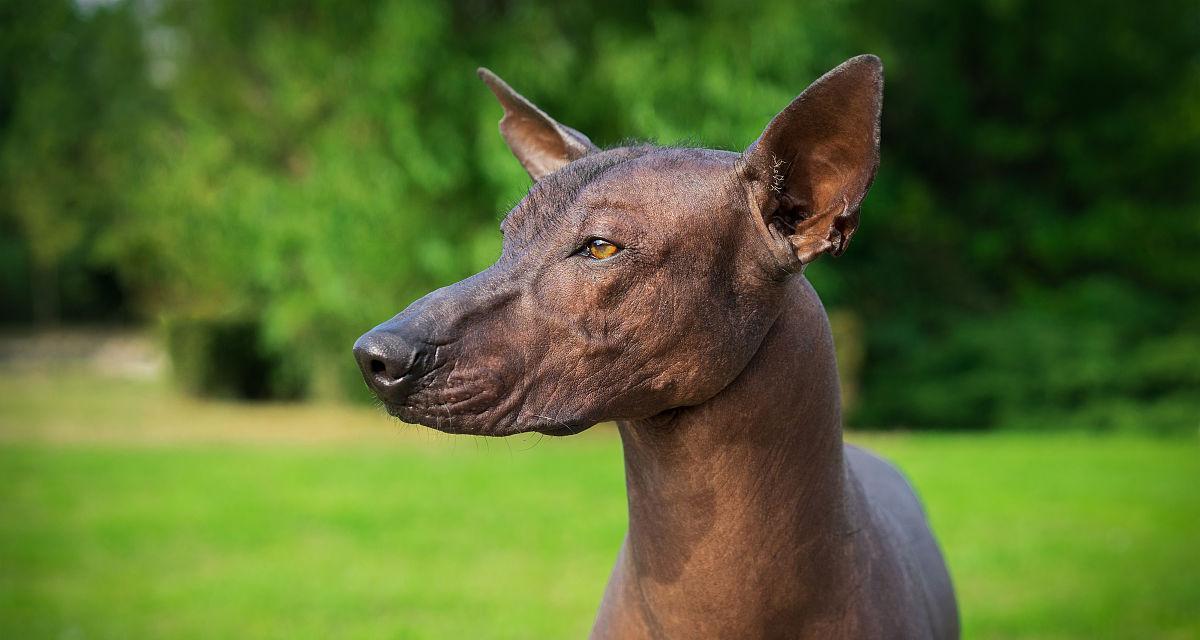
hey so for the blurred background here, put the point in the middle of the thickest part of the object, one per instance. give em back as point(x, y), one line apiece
point(203, 204)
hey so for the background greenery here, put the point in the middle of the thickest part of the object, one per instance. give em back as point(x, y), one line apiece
point(256, 183)
point(287, 175)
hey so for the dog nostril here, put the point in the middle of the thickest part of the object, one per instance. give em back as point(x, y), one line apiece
point(377, 366)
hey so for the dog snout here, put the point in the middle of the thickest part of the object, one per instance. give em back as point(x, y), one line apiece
point(390, 363)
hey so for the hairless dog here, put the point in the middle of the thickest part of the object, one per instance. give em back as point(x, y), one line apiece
point(662, 288)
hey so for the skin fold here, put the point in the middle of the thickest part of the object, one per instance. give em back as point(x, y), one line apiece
point(663, 289)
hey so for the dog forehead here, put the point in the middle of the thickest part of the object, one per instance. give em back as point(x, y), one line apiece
point(550, 199)
point(643, 181)
point(666, 180)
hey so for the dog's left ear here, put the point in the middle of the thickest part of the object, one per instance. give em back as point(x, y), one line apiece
point(815, 160)
point(542, 144)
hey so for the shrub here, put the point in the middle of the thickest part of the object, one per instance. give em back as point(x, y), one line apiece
point(226, 359)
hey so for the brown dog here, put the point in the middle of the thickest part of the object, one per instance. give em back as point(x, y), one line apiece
point(661, 288)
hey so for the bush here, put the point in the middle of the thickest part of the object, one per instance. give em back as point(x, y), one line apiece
point(1096, 356)
point(226, 359)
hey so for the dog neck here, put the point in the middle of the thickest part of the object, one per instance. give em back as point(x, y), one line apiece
point(743, 494)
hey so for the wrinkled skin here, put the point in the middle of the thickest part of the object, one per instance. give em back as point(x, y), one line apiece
point(662, 288)
point(550, 339)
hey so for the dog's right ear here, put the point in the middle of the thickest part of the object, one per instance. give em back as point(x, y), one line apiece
point(817, 158)
point(541, 144)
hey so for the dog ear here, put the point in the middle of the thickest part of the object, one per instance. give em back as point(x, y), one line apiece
point(541, 144)
point(817, 157)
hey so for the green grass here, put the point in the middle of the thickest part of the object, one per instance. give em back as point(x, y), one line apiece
point(127, 512)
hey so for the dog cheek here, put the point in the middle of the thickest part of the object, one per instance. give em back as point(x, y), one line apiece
point(488, 356)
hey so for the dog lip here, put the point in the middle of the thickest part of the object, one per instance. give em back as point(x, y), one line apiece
point(415, 416)
point(558, 430)
point(459, 425)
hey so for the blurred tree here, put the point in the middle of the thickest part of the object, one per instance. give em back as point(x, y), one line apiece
point(1036, 218)
point(290, 173)
point(71, 98)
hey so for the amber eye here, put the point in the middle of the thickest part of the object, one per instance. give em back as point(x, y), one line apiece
point(601, 249)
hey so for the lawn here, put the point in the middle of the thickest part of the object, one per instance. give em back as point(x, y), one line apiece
point(127, 512)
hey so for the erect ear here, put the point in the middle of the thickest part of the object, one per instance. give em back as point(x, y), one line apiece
point(541, 144)
point(815, 160)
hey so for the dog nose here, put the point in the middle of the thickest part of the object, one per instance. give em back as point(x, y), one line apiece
point(390, 364)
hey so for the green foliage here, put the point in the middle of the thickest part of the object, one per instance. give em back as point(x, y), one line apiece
point(1028, 253)
point(71, 104)
point(227, 359)
point(1026, 258)
point(1092, 356)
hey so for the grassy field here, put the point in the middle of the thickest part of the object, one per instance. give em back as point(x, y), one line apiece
point(127, 512)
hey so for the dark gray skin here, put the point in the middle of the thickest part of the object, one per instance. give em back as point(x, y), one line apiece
point(662, 288)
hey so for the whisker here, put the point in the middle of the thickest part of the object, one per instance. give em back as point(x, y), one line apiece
point(557, 421)
point(536, 442)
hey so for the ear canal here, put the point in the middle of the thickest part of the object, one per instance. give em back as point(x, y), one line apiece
point(817, 158)
point(542, 144)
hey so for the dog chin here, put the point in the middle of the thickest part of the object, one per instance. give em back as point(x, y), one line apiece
point(478, 425)
point(446, 423)
point(559, 429)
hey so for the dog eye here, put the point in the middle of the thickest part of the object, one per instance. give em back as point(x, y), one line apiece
point(601, 249)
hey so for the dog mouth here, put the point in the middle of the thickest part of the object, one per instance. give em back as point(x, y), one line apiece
point(478, 424)
point(560, 429)
point(445, 422)
point(470, 402)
